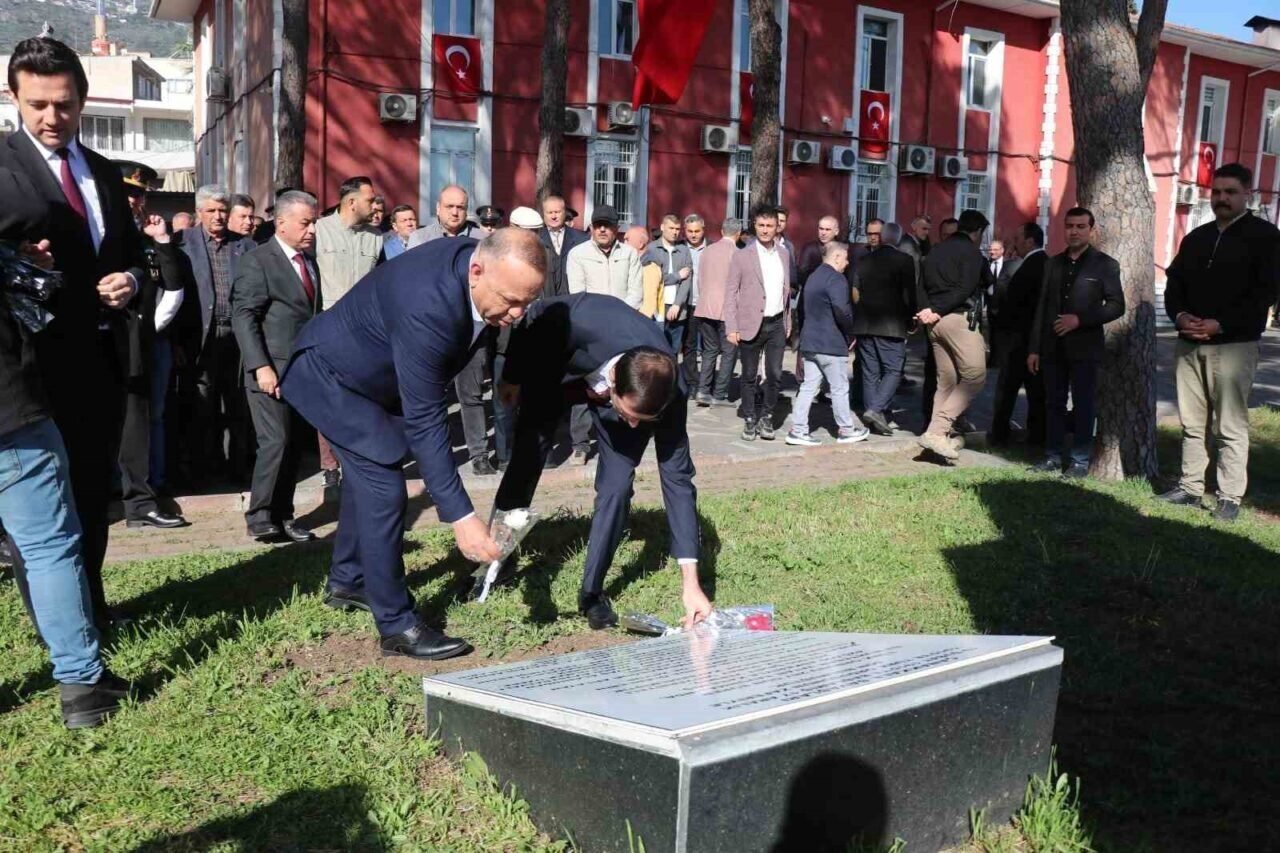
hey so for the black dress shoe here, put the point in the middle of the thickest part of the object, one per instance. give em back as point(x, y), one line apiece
point(346, 599)
point(482, 466)
point(425, 643)
point(295, 532)
point(598, 610)
point(156, 518)
point(87, 705)
point(264, 531)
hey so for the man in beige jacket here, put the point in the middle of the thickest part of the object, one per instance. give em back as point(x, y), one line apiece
point(603, 265)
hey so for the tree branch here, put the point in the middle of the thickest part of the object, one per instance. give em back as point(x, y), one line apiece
point(1150, 23)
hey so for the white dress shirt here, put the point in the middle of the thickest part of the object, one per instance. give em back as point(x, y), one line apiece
point(84, 180)
point(774, 279)
point(291, 253)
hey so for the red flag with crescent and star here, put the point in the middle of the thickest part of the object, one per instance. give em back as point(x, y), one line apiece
point(457, 65)
point(671, 32)
point(1208, 162)
point(873, 128)
point(746, 104)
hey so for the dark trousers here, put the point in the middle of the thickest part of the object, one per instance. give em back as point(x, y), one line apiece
point(275, 469)
point(880, 364)
point(718, 356)
point(689, 350)
point(135, 450)
point(1011, 358)
point(504, 417)
point(620, 450)
point(771, 341)
point(220, 409)
point(368, 549)
point(469, 386)
point(1080, 380)
point(580, 427)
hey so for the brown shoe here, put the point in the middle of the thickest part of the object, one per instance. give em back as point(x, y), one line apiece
point(939, 445)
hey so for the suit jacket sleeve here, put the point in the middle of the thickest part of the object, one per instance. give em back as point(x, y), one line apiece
point(675, 472)
point(635, 283)
point(250, 300)
point(173, 273)
point(732, 289)
point(1175, 287)
point(421, 354)
point(683, 287)
point(1037, 325)
point(1112, 306)
point(842, 307)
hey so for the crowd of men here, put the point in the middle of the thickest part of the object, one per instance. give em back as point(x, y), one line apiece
point(211, 349)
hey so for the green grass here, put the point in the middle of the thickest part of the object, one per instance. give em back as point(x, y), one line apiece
point(1167, 714)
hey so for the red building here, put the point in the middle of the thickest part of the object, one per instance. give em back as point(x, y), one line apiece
point(977, 107)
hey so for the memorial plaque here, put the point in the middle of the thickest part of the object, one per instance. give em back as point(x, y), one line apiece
point(762, 740)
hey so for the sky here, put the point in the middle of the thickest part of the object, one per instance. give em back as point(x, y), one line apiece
point(1224, 17)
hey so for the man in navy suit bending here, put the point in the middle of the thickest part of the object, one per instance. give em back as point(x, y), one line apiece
point(371, 374)
point(594, 349)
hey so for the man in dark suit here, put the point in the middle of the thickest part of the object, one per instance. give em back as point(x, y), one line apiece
point(1081, 294)
point(372, 374)
point(885, 282)
point(560, 238)
point(209, 342)
point(596, 349)
point(1013, 310)
point(276, 291)
point(97, 247)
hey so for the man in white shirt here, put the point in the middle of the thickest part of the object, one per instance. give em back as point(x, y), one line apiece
point(756, 318)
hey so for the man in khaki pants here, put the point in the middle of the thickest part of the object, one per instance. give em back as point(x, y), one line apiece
point(1220, 285)
point(952, 277)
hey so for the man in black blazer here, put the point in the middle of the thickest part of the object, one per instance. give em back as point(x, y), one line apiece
point(97, 247)
point(1081, 294)
point(559, 238)
point(1013, 310)
point(595, 349)
point(885, 283)
point(276, 291)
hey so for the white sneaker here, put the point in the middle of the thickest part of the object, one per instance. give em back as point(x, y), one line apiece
point(802, 439)
point(854, 434)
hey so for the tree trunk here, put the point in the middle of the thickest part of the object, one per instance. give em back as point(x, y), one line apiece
point(766, 122)
point(550, 170)
point(293, 94)
point(1107, 71)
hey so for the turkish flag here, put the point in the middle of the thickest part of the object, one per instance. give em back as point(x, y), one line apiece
point(671, 31)
point(457, 65)
point(873, 127)
point(746, 103)
point(1208, 162)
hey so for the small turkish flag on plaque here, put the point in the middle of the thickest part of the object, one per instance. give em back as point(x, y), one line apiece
point(457, 64)
point(873, 129)
point(1208, 163)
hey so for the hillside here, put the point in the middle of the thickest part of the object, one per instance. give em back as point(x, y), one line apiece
point(72, 22)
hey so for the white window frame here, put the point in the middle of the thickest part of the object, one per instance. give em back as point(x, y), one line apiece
point(893, 84)
point(1218, 131)
point(739, 205)
point(1269, 131)
point(472, 191)
point(185, 145)
point(449, 27)
point(995, 93)
point(93, 142)
point(627, 217)
point(612, 7)
point(970, 60)
point(884, 206)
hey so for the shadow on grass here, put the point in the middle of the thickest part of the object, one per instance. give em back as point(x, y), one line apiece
point(311, 819)
point(1170, 688)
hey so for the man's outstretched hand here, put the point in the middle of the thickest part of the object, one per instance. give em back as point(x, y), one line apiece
point(474, 540)
point(697, 607)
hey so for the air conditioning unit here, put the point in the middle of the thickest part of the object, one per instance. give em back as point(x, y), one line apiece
point(803, 151)
point(917, 160)
point(719, 138)
point(843, 157)
point(394, 106)
point(579, 121)
point(953, 167)
point(217, 85)
point(622, 115)
point(1188, 194)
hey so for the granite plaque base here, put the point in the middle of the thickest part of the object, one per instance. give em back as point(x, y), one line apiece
point(761, 741)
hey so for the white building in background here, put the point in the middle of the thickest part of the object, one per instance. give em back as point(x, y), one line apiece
point(139, 109)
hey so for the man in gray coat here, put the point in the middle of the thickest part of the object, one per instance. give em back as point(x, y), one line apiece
point(451, 218)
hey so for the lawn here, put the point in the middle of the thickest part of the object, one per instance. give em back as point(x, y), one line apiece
point(269, 724)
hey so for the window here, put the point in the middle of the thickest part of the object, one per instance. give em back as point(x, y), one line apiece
point(740, 185)
point(871, 196)
point(979, 93)
point(874, 73)
point(744, 30)
point(455, 17)
point(1213, 110)
point(618, 26)
point(102, 133)
point(1271, 125)
point(975, 193)
point(146, 88)
point(168, 134)
point(453, 158)
point(615, 174)
point(179, 87)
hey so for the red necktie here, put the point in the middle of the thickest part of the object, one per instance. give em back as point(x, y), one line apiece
point(306, 277)
point(71, 189)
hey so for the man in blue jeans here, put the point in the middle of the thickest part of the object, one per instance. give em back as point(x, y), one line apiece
point(36, 505)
